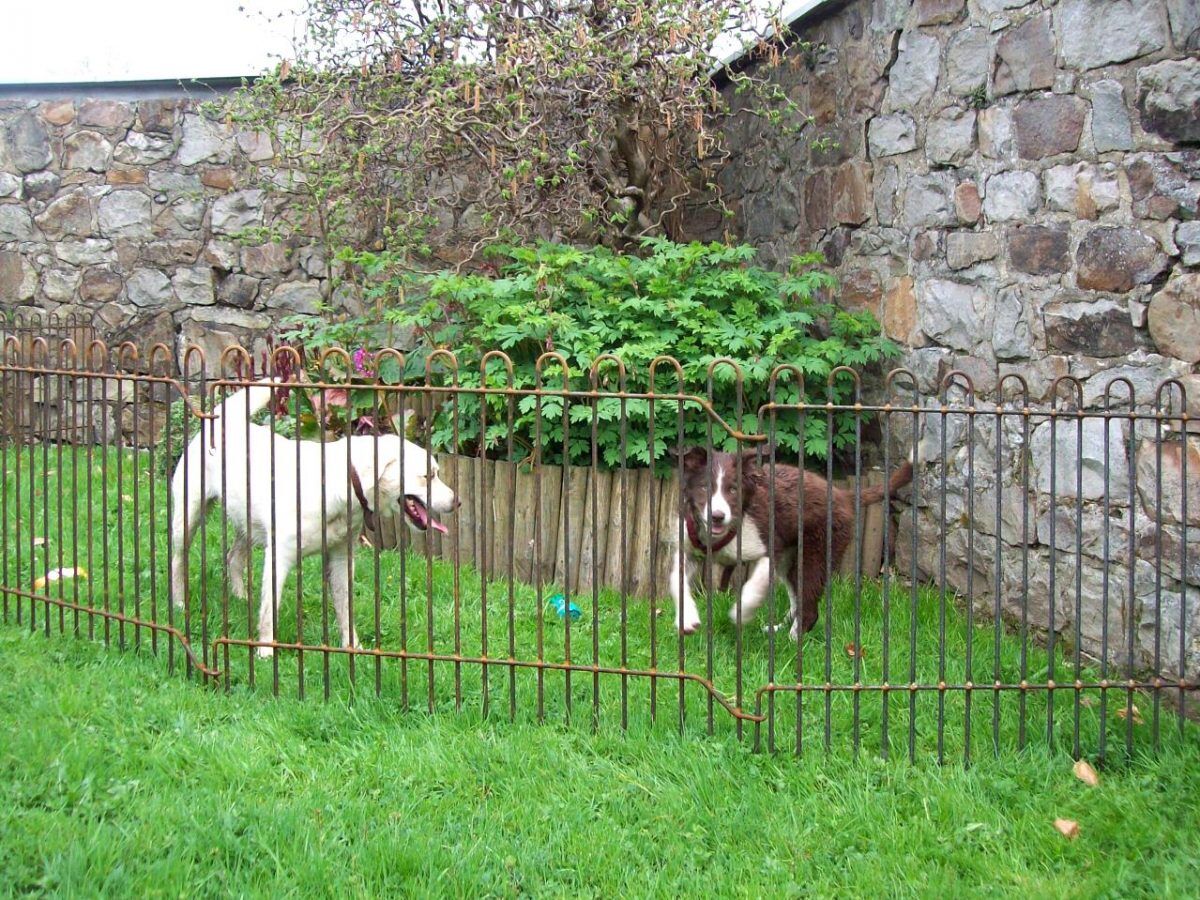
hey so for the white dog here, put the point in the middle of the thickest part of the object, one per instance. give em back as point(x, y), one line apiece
point(288, 512)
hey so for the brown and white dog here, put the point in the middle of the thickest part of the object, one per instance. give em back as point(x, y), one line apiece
point(728, 516)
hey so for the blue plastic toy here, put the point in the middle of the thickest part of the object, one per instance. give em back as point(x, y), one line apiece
point(559, 602)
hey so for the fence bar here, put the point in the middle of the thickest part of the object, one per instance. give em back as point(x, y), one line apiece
point(566, 503)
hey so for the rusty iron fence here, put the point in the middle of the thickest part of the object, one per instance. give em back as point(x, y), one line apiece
point(1036, 580)
point(20, 331)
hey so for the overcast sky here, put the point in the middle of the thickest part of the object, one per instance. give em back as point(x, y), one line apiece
point(120, 40)
point(127, 40)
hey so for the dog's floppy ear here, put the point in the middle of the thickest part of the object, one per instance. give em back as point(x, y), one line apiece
point(693, 458)
point(754, 475)
point(389, 470)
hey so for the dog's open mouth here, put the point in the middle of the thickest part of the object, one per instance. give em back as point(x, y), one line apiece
point(418, 514)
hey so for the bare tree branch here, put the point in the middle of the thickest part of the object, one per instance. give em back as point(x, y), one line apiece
point(460, 121)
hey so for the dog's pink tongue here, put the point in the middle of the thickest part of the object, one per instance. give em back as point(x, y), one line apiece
point(438, 526)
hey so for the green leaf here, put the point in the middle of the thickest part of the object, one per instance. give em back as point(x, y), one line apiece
point(699, 303)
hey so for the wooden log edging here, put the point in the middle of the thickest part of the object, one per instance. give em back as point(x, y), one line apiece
point(619, 526)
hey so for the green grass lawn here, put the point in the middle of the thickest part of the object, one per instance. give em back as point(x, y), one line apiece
point(122, 776)
point(115, 780)
point(107, 512)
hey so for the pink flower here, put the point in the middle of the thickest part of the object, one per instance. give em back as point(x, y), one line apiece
point(361, 357)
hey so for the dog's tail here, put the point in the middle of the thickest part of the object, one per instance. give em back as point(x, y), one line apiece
point(902, 476)
point(241, 405)
point(231, 415)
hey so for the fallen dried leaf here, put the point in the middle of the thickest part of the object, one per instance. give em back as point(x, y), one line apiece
point(59, 574)
point(1124, 712)
point(1087, 701)
point(127, 498)
point(38, 542)
point(855, 650)
point(1068, 828)
point(1084, 772)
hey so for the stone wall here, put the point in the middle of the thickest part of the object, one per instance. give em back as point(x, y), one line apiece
point(149, 217)
point(1012, 187)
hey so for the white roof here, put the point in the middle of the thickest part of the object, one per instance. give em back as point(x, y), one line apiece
point(729, 51)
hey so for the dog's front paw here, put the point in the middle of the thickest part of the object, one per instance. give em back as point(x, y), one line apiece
point(687, 625)
point(740, 620)
point(266, 652)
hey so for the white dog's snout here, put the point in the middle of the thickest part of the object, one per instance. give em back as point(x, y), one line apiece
point(442, 498)
point(719, 511)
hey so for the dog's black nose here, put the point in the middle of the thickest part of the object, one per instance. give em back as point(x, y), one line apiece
point(457, 501)
point(718, 517)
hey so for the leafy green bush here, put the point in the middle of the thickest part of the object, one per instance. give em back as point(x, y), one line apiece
point(355, 406)
point(698, 303)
